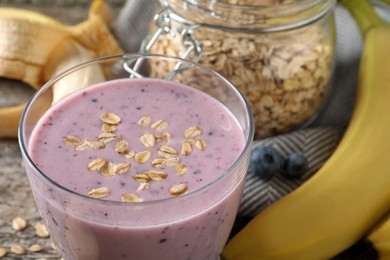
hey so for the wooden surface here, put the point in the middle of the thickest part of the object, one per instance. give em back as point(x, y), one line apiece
point(15, 194)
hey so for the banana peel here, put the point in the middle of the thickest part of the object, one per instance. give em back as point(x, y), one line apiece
point(35, 47)
point(9, 120)
point(71, 54)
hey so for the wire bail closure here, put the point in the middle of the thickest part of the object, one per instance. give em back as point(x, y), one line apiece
point(163, 22)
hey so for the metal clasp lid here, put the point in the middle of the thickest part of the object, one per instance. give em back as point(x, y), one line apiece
point(163, 22)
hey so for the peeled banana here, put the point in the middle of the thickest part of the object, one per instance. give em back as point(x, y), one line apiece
point(350, 193)
point(33, 48)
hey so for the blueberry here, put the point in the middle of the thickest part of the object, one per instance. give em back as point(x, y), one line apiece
point(266, 162)
point(296, 165)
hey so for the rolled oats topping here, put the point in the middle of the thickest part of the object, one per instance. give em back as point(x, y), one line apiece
point(178, 189)
point(172, 161)
point(107, 137)
point(157, 175)
point(72, 140)
point(108, 169)
point(141, 177)
point(181, 170)
point(99, 192)
point(158, 163)
point(148, 139)
point(143, 186)
point(109, 128)
point(121, 146)
point(159, 125)
point(170, 156)
point(81, 146)
point(143, 156)
point(95, 144)
point(167, 151)
point(201, 144)
point(131, 197)
point(192, 132)
point(130, 155)
point(96, 164)
point(186, 147)
point(164, 137)
point(110, 118)
point(120, 168)
point(144, 121)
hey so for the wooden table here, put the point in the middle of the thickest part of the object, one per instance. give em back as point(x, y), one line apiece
point(15, 194)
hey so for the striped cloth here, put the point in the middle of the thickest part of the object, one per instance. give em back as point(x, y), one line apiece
point(317, 142)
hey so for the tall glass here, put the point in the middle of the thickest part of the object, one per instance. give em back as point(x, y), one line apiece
point(84, 228)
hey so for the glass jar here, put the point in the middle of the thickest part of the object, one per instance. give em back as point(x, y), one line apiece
point(279, 55)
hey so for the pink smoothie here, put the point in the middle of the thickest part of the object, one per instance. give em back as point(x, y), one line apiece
point(189, 224)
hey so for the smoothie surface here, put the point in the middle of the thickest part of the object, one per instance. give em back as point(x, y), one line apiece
point(136, 140)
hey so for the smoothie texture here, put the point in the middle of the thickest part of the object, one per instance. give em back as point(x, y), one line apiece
point(134, 147)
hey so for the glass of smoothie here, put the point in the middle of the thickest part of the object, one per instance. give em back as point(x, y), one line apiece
point(125, 165)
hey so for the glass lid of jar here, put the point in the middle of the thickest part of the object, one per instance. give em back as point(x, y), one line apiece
point(263, 15)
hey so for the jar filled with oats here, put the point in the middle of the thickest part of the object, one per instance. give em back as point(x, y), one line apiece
point(279, 53)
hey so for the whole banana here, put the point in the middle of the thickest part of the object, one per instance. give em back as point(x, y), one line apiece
point(350, 193)
point(379, 238)
point(34, 47)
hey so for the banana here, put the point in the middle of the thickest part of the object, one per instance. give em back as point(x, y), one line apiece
point(71, 54)
point(26, 44)
point(350, 193)
point(9, 120)
point(94, 34)
point(35, 47)
point(379, 238)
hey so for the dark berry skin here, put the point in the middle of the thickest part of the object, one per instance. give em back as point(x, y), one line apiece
point(266, 162)
point(296, 165)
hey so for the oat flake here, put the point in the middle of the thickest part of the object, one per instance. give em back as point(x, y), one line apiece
point(40, 230)
point(110, 118)
point(3, 252)
point(36, 248)
point(17, 249)
point(131, 197)
point(178, 189)
point(99, 193)
point(19, 223)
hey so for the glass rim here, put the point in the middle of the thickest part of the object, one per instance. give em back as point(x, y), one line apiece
point(64, 73)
